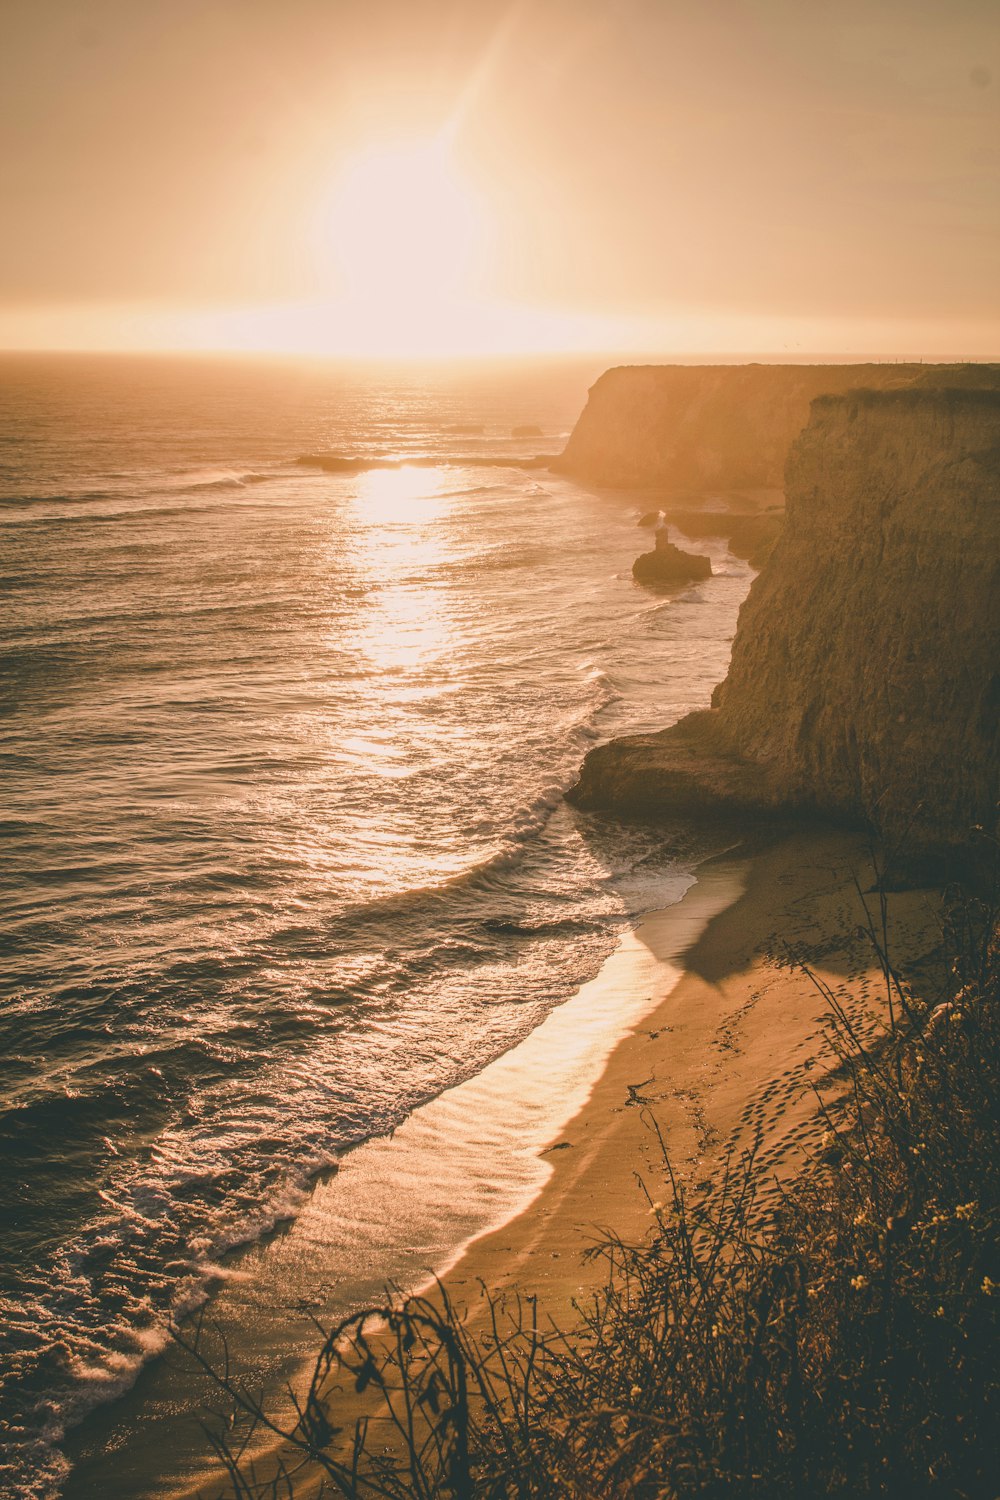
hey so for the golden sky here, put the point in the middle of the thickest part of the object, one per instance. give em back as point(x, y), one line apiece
point(437, 176)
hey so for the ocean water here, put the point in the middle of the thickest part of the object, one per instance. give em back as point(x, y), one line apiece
point(284, 846)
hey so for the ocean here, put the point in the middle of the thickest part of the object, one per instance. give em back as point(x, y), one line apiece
point(285, 850)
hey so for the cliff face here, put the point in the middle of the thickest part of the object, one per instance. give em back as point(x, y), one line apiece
point(865, 676)
point(692, 428)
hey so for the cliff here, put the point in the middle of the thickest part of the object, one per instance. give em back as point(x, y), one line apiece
point(691, 428)
point(865, 675)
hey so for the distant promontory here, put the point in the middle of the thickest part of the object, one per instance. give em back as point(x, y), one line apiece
point(688, 430)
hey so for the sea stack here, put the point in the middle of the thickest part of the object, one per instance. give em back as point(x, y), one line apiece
point(668, 567)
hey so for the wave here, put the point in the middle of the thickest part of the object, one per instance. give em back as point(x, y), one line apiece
point(476, 877)
point(240, 1188)
point(564, 927)
point(525, 825)
point(92, 1365)
point(126, 487)
point(225, 480)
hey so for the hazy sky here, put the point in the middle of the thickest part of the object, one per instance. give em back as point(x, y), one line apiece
point(757, 173)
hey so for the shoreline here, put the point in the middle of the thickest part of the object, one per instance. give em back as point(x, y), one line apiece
point(729, 1047)
point(406, 1207)
point(732, 1053)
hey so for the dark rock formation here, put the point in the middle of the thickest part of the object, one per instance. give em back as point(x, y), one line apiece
point(650, 518)
point(697, 428)
point(748, 534)
point(688, 769)
point(865, 676)
point(669, 567)
point(754, 537)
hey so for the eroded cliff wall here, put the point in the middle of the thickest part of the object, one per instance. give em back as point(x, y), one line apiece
point(865, 676)
point(691, 428)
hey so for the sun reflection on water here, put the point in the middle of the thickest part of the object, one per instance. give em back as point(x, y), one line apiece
point(400, 644)
point(406, 629)
point(410, 496)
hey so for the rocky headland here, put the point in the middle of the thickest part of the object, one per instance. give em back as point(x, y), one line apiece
point(696, 430)
point(864, 683)
point(712, 440)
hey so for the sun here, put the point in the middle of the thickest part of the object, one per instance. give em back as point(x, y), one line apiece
point(407, 259)
point(402, 228)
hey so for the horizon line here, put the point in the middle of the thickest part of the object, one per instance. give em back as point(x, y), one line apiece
point(635, 356)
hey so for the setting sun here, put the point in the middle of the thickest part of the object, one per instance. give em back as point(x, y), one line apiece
point(400, 240)
point(400, 222)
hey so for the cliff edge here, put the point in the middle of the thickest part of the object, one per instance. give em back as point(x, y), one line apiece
point(688, 429)
point(865, 675)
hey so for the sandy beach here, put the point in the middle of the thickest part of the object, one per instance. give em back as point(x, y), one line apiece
point(734, 1050)
point(738, 1047)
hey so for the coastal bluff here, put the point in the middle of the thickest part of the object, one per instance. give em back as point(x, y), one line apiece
point(688, 429)
point(865, 674)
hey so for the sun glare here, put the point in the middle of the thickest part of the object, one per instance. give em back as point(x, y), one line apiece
point(407, 496)
point(402, 222)
point(403, 627)
point(402, 240)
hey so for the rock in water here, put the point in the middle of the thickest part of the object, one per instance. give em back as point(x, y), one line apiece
point(669, 567)
point(749, 534)
point(526, 429)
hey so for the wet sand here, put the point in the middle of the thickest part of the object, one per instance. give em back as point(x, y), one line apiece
point(738, 1048)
